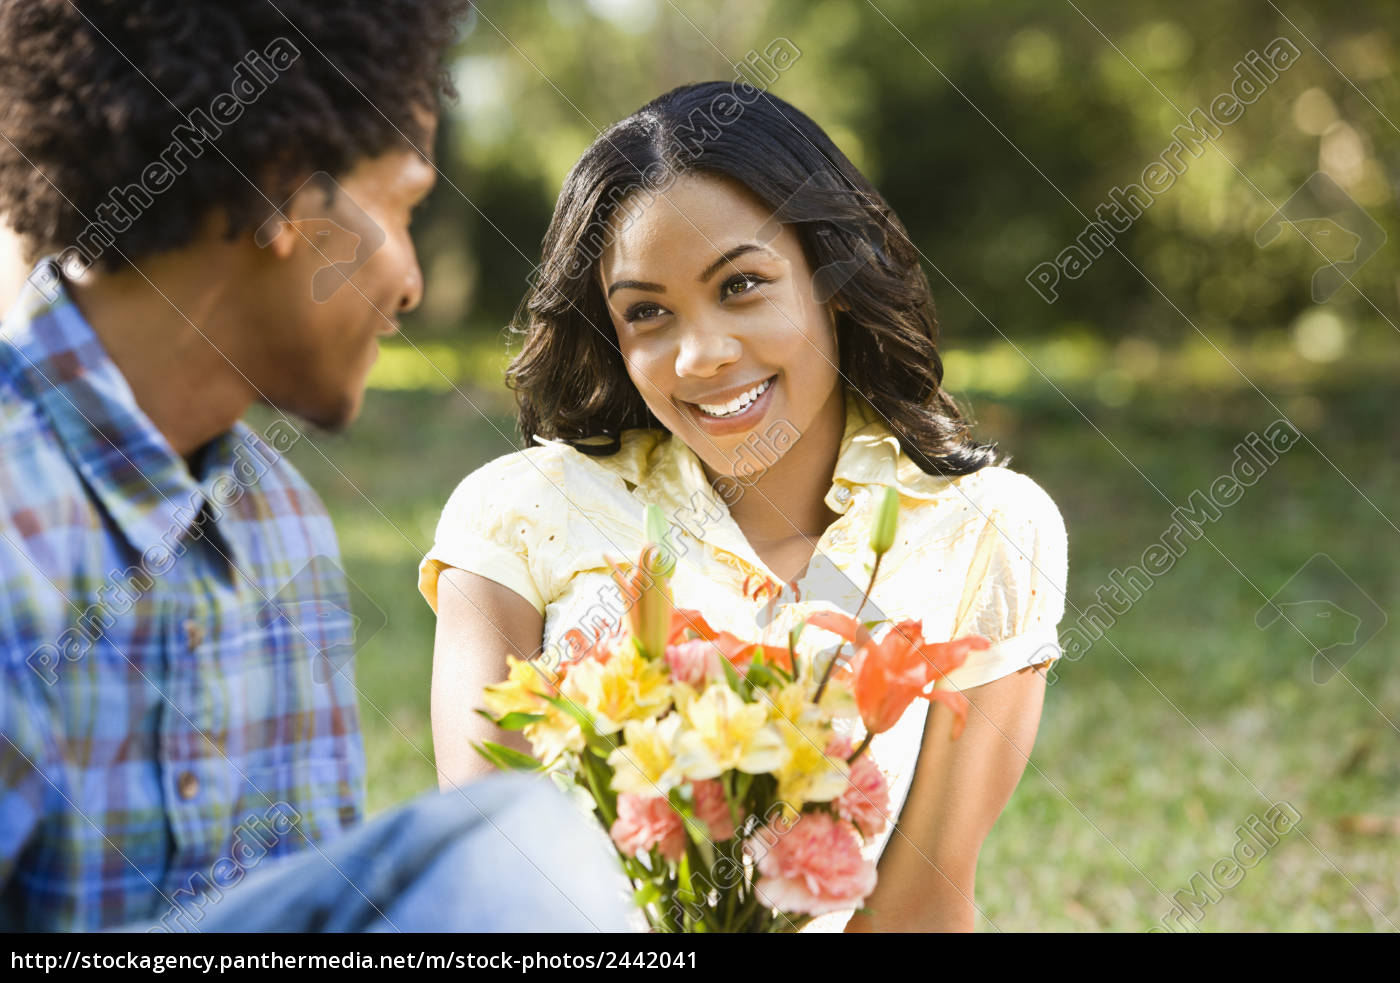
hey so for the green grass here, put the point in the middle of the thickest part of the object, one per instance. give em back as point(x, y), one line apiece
point(1178, 725)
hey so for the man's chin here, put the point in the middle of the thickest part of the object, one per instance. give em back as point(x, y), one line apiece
point(341, 417)
point(331, 417)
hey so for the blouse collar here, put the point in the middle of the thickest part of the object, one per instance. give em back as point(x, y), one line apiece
point(654, 461)
point(663, 470)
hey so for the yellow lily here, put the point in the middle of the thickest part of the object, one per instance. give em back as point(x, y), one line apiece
point(521, 690)
point(808, 775)
point(556, 733)
point(625, 687)
point(723, 732)
point(646, 764)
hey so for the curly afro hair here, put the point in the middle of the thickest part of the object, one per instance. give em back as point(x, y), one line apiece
point(176, 110)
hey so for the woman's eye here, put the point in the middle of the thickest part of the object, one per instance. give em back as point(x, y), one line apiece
point(642, 312)
point(740, 284)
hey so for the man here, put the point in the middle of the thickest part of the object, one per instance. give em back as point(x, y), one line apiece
point(222, 195)
point(12, 268)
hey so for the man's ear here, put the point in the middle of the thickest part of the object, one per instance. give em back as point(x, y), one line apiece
point(281, 232)
point(277, 234)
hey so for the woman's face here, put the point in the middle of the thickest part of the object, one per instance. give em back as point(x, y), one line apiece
point(707, 313)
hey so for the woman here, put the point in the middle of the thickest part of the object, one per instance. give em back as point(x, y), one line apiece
point(731, 323)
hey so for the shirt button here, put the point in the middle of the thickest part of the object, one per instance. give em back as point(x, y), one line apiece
point(194, 634)
point(843, 494)
point(187, 785)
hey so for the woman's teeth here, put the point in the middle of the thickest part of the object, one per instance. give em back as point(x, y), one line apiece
point(738, 404)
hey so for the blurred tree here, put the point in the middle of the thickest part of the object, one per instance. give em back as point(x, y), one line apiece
point(996, 131)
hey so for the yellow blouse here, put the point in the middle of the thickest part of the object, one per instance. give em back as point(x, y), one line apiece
point(984, 553)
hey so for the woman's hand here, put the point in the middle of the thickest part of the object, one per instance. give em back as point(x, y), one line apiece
point(479, 623)
point(960, 787)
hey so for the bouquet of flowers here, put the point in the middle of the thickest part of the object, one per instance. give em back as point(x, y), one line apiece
point(715, 763)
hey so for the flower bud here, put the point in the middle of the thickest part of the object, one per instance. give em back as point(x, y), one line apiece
point(658, 533)
point(886, 516)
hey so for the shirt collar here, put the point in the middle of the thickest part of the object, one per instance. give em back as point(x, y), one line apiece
point(53, 357)
point(666, 471)
point(871, 455)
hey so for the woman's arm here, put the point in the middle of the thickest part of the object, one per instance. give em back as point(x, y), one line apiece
point(479, 623)
point(960, 787)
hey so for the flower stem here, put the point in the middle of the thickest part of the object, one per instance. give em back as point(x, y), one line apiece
point(863, 745)
point(874, 572)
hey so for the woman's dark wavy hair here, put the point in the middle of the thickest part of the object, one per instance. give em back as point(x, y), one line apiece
point(94, 92)
point(569, 378)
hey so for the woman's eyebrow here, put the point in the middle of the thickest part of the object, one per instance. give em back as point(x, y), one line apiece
point(655, 288)
point(729, 257)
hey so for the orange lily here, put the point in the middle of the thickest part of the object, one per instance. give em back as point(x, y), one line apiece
point(739, 652)
point(688, 618)
point(888, 675)
point(600, 648)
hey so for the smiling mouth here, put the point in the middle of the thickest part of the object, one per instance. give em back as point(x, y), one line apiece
point(735, 407)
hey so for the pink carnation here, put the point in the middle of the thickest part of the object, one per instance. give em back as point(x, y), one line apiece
point(694, 662)
point(644, 822)
point(712, 808)
point(866, 801)
point(814, 867)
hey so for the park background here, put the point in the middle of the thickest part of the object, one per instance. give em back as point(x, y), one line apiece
point(995, 130)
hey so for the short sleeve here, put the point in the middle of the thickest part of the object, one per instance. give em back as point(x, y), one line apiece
point(1015, 588)
point(492, 525)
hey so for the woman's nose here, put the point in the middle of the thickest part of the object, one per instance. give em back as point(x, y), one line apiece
point(706, 350)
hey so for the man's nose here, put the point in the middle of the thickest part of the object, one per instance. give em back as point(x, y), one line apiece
point(411, 293)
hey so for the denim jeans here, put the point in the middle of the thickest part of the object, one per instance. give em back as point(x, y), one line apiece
point(507, 853)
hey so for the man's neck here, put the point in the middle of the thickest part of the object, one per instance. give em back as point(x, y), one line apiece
point(171, 331)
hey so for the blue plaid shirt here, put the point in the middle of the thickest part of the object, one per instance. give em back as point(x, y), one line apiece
point(178, 702)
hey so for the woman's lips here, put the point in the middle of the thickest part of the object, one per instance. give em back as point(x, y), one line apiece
point(739, 422)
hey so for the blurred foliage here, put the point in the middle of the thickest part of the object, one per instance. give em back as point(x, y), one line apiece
point(995, 130)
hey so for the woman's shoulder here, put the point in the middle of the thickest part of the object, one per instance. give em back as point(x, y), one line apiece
point(999, 494)
point(1019, 518)
point(1001, 486)
point(512, 477)
point(550, 469)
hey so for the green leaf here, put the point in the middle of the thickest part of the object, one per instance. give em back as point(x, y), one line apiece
point(736, 682)
point(599, 779)
point(513, 721)
point(507, 758)
point(781, 674)
point(795, 634)
point(699, 834)
point(646, 894)
point(686, 892)
point(486, 754)
point(679, 802)
point(584, 718)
